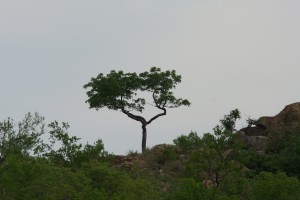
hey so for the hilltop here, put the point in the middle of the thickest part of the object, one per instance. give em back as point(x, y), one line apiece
point(260, 161)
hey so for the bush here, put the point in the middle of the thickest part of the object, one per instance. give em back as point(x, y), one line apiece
point(188, 142)
point(116, 184)
point(270, 186)
point(24, 179)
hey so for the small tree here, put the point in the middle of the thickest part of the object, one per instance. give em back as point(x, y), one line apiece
point(23, 138)
point(118, 91)
point(213, 157)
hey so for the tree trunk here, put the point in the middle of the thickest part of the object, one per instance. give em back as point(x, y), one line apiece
point(144, 138)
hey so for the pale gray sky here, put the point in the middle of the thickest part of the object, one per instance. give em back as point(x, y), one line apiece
point(231, 54)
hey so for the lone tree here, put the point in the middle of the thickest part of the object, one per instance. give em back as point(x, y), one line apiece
point(118, 91)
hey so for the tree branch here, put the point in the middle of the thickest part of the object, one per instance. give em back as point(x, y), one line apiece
point(130, 115)
point(159, 107)
point(154, 99)
point(135, 117)
point(158, 115)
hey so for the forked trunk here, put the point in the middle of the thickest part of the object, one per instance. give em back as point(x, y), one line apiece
point(144, 138)
point(144, 123)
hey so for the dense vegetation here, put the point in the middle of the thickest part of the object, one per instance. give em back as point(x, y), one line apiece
point(45, 162)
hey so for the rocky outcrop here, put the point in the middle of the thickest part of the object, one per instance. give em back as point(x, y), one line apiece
point(256, 142)
point(288, 118)
point(257, 136)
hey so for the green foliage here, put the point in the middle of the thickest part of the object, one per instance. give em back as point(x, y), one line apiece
point(279, 139)
point(163, 157)
point(26, 179)
point(168, 154)
point(95, 152)
point(189, 189)
point(270, 186)
point(23, 138)
point(211, 166)
point(186, 143)
point(118, 90)
point(68, 149)
point(114, 91)
point(287, 159)
point(214, 156)
point(56, 183)
point(225, 130)
point(160, 158)
point(132, 153)
point(160, 84)
point(23, 178)
point(116, 184)
point(228, 123)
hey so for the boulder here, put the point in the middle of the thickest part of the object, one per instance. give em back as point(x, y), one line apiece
point(288, 118)
point(257, 137)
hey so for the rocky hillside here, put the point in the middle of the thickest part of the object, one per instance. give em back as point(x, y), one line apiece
point(218, 163)
point(259, 132)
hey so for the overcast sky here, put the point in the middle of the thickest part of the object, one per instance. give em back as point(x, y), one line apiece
point(231, 54)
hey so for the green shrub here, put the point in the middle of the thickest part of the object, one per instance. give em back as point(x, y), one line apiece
point(189, 189)
point(188, 142)
point(270, 186)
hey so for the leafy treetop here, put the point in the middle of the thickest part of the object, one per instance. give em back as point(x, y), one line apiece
point(118, 90)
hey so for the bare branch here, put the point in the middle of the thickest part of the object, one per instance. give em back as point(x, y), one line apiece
point(158, 115)
point(135, 117)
